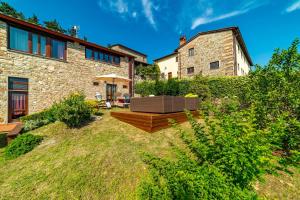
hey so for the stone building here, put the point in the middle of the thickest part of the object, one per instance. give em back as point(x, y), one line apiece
point(221, 52)
point(140, 58)
point(39, 66)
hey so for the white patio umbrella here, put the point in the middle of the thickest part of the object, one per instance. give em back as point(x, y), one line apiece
point(113, 78)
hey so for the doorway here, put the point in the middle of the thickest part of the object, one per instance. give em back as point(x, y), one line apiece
point(17, 98)
point(111, 90)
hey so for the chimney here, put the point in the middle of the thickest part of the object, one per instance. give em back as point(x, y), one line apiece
point(182, 40)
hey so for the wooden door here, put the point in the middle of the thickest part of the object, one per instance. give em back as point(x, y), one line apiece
point(17, 98)
point(111, 92)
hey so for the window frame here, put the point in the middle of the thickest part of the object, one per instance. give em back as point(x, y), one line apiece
point(191, 52)
point(48, 47)
point(188, 72)
point(103, 57)
point(214, 68)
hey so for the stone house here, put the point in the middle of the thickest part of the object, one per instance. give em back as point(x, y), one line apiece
point(39, 66)
point(221, 52)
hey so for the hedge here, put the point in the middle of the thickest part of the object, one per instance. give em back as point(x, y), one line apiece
point(216, 87)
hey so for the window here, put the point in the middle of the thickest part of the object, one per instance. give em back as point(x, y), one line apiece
point(43, 45)
point(88, 53)
point(58, 49)
point(191, 52)
point(96, 83)
point(96, 55)
point(18, 39)
point(176, 58)
point(36, 44)
point(100, 56)
point(169, 75)
point(162, 75)
point(190, 70)
point(215, 65)
point(15, 83)
point(117, 60)
point(124, 86)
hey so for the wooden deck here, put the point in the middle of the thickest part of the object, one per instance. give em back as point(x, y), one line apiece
point(150, 122)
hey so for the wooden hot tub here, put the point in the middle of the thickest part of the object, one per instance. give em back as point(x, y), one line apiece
point(163, 104)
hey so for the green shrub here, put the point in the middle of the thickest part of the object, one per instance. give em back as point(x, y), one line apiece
point(47, 114)
point(73, 110)
point(145, 88)
point(94, 106)
point(39, 119)
point(21, 145)
point(226, 155)
point(3, 140)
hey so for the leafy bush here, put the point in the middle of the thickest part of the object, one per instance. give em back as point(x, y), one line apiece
point(73, 110)
point(94, 106)
point(3, 140)
point(226, 155)
point(21, 145)
point(39, 119)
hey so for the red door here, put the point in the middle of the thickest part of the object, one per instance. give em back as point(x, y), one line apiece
point(17, 98)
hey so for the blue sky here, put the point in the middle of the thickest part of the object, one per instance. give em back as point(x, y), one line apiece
point(154, 26)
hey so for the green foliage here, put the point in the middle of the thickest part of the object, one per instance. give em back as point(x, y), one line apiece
point(54, 25)
point(275, 94)
point(21, 145)
point(73, 110)
point(37, 120)
point(34, 20)
point(199, 86)
point(226, 155)
point(94, 106)
point(204, 87)
point(3, 140)
point(7, 9)
point(150, 72)
point(191, 95)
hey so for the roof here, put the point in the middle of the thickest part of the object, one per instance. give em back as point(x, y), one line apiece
point(30, 26)
point(169, 55)
point(130, 49)
point(237, 33)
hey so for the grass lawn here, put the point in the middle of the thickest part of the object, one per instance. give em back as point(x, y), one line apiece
point(99, 161)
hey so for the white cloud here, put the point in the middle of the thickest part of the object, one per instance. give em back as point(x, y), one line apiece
point(147, 7)
point(293, 7)
point(206, 20)
point(134, 14)
point(208, 16)
point(118, 6)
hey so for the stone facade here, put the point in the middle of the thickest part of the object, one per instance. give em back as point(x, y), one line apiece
point(209, 48)
point(138, 57)
point(49, 79)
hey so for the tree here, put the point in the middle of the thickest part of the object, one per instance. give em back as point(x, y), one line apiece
point(150, 72)
point(7, 9)
point(54, 25)
point(34, 20)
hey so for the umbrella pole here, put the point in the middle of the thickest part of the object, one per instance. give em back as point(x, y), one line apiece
point(113, 86)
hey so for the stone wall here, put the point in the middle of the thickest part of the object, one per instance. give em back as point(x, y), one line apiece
point(209, 48)
point(137, 56)
point(50, 80)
